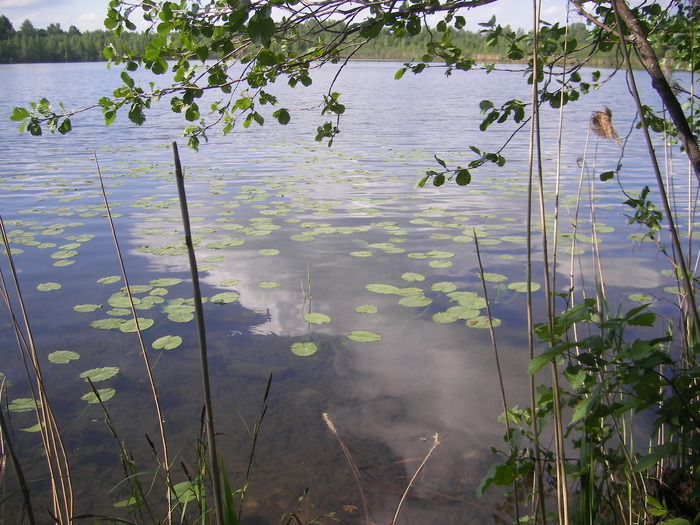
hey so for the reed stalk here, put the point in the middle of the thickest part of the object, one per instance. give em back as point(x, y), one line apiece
point(142, 345)
point(202, 338)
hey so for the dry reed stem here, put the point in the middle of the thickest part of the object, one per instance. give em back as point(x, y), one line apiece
point(353, 467)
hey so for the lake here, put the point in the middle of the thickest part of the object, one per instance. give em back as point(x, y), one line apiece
point(292, 228)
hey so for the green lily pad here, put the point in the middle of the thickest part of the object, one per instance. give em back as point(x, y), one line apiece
point(444, 318)
point(362, 253)
point(304, 349)
point(463, 313)
point(224, 298)
point(47, 287)
point(109, 280)
point(129, 325)
point(166, 281)
point(440, 255)
point(444, 286)
point(366, 309)
point(494, 277)
point(33, 428)
point(482, 322)
point(86, 307)
point(410, 276)
point(137, 288)
point(268, 284)
point(382, 288)
point(269, 252)
point(315, 318)
point(518, 239)
point(64, 254)
point(440, 264)
point(364, 337)
point(22, 404)
point(105, 395)
point(415, 301)
point(522, 287)
point(179, 313)
point(167, 342)
point(100, 374)
point(640, 298)
point(230, 282)
point(107, 324)
point(62, 357)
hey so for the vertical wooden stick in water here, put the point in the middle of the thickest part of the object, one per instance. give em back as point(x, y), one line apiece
point(199, 317)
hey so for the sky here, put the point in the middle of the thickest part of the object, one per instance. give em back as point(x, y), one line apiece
point(89, 14)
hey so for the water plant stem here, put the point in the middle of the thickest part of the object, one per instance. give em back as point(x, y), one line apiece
point(201, 333)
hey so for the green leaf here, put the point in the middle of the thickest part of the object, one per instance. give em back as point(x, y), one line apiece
point(224, 298)
point(540, 361)
point(261, 28)
point(659, 452)
point(364, 337)
point(100, 374)
point(105, 395)
point(62, 357)
point(582, 408)
point(315, 318)
point(19, 114)
point(167, 342)
point(366, 309)
point(130, 326)
point(47, 287)
point(607, 175)
point(22, 404)
point(304, 349)
point(86, 307)
point(168, 281)
point(282, 116)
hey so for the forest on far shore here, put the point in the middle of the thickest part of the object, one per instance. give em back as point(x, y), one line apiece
point(28, 44)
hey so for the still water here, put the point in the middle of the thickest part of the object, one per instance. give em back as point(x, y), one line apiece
point(293, 227)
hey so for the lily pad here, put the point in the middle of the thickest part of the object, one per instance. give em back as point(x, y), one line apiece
point(366, 309)
point(304, 349)
point(47, 287)
point(100, 374)
point(315, 318)
point(462, 312)
point(269, 252)
point(62, 357)
point(230, 282)
point(482, 322)
point(109, 280)
point(129, 325)
point(440, 264)
point(166, 281)
point(22, 404)
point(105, 395)
point(382, 288)
point(410, 276)
point(640, 298)
point(86, 307)
point(494, 277)
point(362, 253)
point(268, 284)
point(444, 286)
point(224, 298)
point(415, 301)
point(361, 336)
point(107, 324)
point(167, 342)
point(522, 287)
point(179, 313)
point(444, 318)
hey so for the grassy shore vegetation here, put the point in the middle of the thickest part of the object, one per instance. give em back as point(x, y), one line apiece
point(570, 456)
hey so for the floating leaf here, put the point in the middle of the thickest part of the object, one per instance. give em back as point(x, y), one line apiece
point(224, 298)
point(86, 307)
point(47, 287)
point(167, 342)
point(415, 301)
point(22, 404)
point(494, 277)
point(482, 322)
point(522, 286)
point(109, 280)
point(366, 309)
point(462, 312)
point(100, 374)
point(382, 288)
point(179, 313)
point(107, 324)
point(119, 300)
point(444, 286)
point(640, 298)
point(166, 281)
point(440, 264)
point(410, 276)
point(361, 254)
point(268, 284)
point(33, 428)
point(444, 318)
point(364, 337)
point(130, 326)
point(105, 395)
point(62, 357)
point(269, 252)
point(304, 349)
point(230, 282)
point(315, 318)
point(440, 255)
point(64, 254)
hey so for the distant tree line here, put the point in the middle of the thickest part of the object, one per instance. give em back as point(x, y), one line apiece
point(29, 44)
